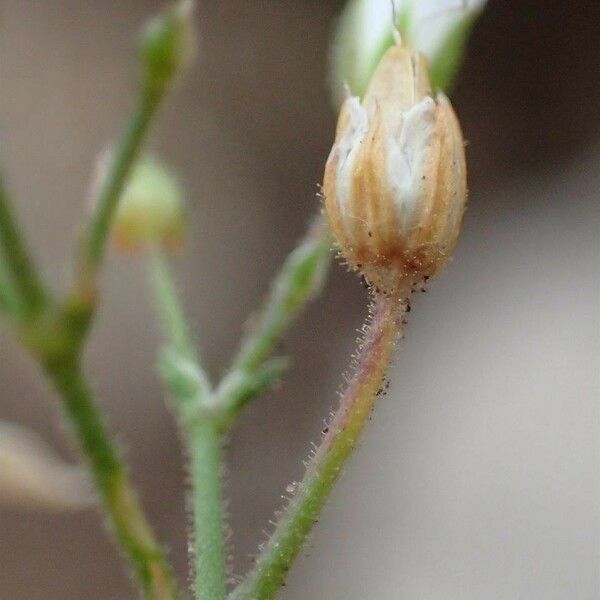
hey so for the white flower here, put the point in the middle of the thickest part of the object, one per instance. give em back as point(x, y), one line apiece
point(430, 22)
point(437, 28)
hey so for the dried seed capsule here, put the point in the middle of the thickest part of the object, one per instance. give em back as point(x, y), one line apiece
point(395, 181)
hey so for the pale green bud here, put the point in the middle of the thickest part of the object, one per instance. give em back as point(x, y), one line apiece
point(150, 210)
point(436, 28)
point(167, 44)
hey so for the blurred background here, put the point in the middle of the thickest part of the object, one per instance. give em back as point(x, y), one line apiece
point(478, 477)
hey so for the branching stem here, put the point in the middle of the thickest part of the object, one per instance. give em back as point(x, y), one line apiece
point(202, 426)
point(205, 414)
point(21, 282)
point(300, 279)
point(55, 332)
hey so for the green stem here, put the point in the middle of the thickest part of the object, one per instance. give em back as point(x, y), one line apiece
point(57, 337)
point(172, 315)
point(9, 302)
point(202, 424)
point(300, 279)
point(120, 501)
point(80, 305)
point(29, 292)
point(204, 446)
point(72, 324)
point(120, 165)
point(340, 437)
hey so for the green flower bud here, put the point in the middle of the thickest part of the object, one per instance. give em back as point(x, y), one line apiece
point(438, 30)
point(167, 44)
point(150, 210)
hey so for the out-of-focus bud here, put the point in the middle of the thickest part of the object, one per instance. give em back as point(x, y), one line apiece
point(395, 181)
point(437, 28)
point(150, 211)
point(33, 476)
point(167, 44)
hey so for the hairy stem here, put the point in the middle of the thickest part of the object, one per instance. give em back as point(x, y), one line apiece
point(300, 279)
point(120, 501)
point(202, 424)
point(204, 445)
point(28, 291)
point(169, 306)
point(270, 570)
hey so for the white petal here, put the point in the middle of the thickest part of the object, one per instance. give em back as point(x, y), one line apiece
point(407, 158)
point(347, 149)
point(430, 22)
point(433, 20)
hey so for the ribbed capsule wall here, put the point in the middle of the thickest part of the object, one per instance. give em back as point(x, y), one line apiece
point(395, 181)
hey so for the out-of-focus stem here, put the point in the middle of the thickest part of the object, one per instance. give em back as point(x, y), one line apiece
point(94, 241)
point(81, 303)
point(375, 351)
point(9, 302)
point(169, 306)
point(57, 336)
point(300, 279)
point(119, 499)
point(28, 290)
point(202, 425)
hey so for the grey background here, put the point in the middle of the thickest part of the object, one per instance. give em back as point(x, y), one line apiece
point(478, 477)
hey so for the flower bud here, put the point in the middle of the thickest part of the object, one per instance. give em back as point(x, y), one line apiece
point(167, 44)
point(395, 181)
point(33, 476)
point(150, 209)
